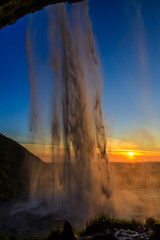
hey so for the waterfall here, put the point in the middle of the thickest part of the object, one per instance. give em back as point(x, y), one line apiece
point(81, 182)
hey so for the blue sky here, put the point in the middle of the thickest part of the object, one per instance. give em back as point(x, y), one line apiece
point(127, 34)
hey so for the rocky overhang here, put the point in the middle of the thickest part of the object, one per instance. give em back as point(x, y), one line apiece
point(12, 10)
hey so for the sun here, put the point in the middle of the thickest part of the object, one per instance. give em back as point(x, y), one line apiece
point(130, 153)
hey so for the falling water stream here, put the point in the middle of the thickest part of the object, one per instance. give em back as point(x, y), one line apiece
point(79, 184)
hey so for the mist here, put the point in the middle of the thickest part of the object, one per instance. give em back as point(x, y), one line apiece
point(73, 92)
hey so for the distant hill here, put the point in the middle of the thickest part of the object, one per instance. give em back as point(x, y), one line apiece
point(18, 168)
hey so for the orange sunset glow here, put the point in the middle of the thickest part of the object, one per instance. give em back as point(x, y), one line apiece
point(118, 151)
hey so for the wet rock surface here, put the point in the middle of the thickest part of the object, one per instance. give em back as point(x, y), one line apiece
point(122, 234)
point(118, 234)
point(20, 218)
point(107, 236)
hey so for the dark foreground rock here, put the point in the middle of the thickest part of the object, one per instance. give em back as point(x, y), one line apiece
point(24, 219)
point(107, 236)
point(11, 11)
point(67, 233)
point(156, 231)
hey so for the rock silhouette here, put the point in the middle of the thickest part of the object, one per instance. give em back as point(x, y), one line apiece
point(16, 165)
point(67, 233)
point(11, 11)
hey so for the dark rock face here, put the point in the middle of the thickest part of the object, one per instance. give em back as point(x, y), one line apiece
point(11, 11)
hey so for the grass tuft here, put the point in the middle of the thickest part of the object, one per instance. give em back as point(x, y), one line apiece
point(103, 222)
point(149, 222)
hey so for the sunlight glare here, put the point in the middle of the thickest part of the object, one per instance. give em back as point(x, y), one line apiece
point(131, 153)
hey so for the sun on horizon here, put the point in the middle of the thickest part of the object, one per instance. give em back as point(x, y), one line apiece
point(130, 153)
